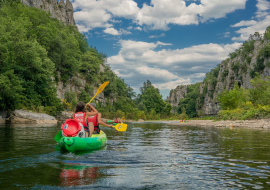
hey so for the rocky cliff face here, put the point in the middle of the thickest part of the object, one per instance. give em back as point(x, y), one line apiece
point(176, 95)
point(252, 57)
point(240, 68)
point(78, 83)
point(60, 10)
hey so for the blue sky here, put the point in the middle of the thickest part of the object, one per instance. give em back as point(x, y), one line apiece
point(169, 42)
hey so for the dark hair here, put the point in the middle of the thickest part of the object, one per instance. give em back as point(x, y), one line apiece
point(80, 107)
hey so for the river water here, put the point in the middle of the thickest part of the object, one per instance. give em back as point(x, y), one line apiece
point(146, 156)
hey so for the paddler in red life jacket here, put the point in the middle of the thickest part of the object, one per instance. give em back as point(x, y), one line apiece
point(117, 120)
point(96, 120)
point(81, 114)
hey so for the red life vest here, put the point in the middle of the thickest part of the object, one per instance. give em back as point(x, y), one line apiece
point(93, 119)
point(115, 121)
point(80, 116)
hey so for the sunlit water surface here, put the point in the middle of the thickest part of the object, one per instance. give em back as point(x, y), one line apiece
point(146, 156)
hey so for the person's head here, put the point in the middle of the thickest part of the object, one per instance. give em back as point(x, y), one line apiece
point(94, 105)
point(80, 107)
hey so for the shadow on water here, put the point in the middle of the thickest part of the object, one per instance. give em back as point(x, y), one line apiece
point(146, 156)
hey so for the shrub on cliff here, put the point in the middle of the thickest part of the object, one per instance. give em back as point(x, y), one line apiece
point(253, 103)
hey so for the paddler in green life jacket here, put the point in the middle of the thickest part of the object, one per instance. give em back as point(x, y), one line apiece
point(96, 120)
point(81, 114)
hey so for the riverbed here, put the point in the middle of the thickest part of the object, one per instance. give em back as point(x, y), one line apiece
point(146, 156)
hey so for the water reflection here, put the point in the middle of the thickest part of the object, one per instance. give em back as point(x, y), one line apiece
point(78, 175)
point(146, 156)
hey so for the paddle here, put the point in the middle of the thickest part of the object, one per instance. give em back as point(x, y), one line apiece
point(58, 136)
point(120, 127)
point(100, 89)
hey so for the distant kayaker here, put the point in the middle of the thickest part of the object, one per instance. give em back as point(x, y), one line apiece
point(81, 114)
point(96, 120)
point(117, 120)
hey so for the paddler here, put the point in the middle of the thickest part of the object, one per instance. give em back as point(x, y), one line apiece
point(81, 114)
point(96, 120)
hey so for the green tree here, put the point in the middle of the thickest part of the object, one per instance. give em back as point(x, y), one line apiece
point(259, 93)
point(232, 99)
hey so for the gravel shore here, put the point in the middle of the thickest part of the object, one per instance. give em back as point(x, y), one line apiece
point(262, 123)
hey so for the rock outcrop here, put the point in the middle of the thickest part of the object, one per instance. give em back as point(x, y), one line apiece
point(176, 95)
point(3, 116)
point(59, 10)
point(28, 117)
point(239, 68)
point(64, 116)
point(252, 57)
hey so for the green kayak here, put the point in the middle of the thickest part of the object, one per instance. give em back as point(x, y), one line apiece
point(76, 144)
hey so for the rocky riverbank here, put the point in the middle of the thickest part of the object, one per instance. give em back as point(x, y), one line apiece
point(28, 117)
point(259, 124)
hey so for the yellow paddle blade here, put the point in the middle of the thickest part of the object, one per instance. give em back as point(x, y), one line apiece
point(100, 89)
point(121, 127)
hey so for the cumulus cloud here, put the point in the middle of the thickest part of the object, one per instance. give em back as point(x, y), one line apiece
point(257, 24)
point(111, 31)
point(160, 13)
point(157, 15)
point(138, 28)
point(115, 32)
point(138, 61)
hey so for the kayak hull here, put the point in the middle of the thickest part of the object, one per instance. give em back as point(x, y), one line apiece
point(77, 144)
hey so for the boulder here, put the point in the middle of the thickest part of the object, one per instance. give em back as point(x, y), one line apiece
point(28, 117)
point(64, 116)
point(2, 121)
point(140, 120)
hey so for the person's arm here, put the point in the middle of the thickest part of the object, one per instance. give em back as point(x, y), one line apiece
point(93, 112)
point(101, 122)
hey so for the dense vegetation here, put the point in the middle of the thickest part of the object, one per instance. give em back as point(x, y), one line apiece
point(34, 50)
point(253, 103)
point(37, 51)
point(187, 105)
point(146, 105)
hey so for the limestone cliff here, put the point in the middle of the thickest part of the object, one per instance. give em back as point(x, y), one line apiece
point(240, 67)
point(60, 10)
point(176, 95)
point(78, 83)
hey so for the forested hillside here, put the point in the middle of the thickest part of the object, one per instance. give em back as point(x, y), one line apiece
point(37, 52)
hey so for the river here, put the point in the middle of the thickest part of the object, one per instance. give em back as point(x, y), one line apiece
point(146, 156)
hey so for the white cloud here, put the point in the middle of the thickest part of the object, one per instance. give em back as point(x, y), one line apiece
point(138, 61)
point(263, 6)
point(111, 31)
point(157, 36)
point(138, 28)
point(172, 84)
point(227, 34)
point(93, 19)
point(245, 23)
point(115, 21)
point(115, 32)
point(259, 25)
point(158, 15)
